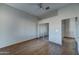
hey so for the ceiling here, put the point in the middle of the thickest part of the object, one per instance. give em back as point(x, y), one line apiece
point(35, 10)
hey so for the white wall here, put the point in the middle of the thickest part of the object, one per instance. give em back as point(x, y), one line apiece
point(15, 26)
point(55, 32)
point(55, 22)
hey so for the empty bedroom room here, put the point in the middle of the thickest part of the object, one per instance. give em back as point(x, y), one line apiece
point(39, 29)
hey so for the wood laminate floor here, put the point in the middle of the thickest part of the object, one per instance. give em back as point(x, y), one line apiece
point(32, 47)
point(69, 46)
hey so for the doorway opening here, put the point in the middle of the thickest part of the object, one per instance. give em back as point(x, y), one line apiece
point(65, 28)
point(43, 31)
point(69, 44)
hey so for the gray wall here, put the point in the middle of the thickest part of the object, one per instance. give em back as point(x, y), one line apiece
point(15, 26)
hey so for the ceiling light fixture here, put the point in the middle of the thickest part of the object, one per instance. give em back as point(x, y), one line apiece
point(43, 7)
